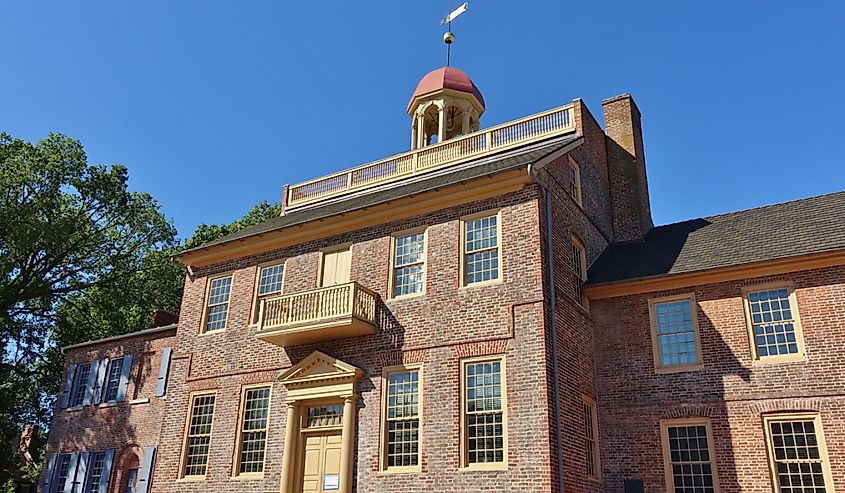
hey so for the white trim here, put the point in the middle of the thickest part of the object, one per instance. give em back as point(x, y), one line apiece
point(122, 336)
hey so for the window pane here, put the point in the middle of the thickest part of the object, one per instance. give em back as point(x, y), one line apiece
point(590, 439)
point(689, 459)
point(484, 413)
point(481, 250)
point(97, 464)
point(409, 264)
point(254, 430)
point(676, 338)
point(797, 457)
point(113, 380)
point(218, 303)
point(81, 387)
point(331, 415)
point(270, 280)
point(199, 435)
point(403, 421)
point(773, 323)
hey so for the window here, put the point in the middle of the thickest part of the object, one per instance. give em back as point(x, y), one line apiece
point(198, 441)
point(797, 454)
point(322, 416)
point(409, 264)
point(674, 332)
point(688, 456)
point(591, 438)
point(401, 419)
point(113, 380)
point(772, 314)
point(254, 424)
point(217, 308)
point(80, 388)
point(579, 268)
point(574, 181)
point(131, 480)
point(484, 420)
point(269, 285)
point(481, 249)
point(98, 464)
point(62, 472)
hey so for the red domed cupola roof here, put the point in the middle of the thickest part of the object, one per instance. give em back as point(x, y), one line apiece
point(446, 78)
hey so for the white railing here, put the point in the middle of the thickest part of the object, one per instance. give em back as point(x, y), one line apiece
point(322, 304)
point(525, 130)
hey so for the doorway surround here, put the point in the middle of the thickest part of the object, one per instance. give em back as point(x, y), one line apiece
point(316, 380)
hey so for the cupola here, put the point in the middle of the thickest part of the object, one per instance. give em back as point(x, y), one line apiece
point(445, 105)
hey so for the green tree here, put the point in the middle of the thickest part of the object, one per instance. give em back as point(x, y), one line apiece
point(66, 227)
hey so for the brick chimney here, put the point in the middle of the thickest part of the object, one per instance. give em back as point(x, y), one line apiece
point(162, 318)
point(626, 169)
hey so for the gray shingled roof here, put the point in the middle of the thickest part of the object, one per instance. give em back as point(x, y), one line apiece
point(487, 165)
point(800, 227)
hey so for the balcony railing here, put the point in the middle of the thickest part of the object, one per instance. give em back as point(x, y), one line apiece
point(518, 132)
point(334, 312)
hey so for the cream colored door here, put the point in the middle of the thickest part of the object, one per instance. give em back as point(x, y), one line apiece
point(336, 267)
point(321, 462)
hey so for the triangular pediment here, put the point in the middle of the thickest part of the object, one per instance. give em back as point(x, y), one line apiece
point(320, 367)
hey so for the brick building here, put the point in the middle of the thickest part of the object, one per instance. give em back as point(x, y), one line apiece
point(492, 310)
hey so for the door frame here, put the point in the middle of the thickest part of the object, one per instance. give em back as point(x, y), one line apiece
point(299, 475)
point(332, 249)
point(318, 379)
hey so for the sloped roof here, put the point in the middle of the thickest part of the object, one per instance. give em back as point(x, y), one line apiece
point(478, 168)
point(789, 229)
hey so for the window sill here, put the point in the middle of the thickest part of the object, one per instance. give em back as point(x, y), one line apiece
point(482, 284)
point(74, 409)
point(400, 470)
point(249, 476)
point(191, 479)
point(144, 400)
point(212, 332)
point(663, 370)
point(407, 296)
point(484, 467)
point(107, 404)
point(774, 360)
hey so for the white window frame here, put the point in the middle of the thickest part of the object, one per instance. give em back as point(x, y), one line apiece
point(424, 261)
point(256, 297)
point(386, 372)
point(497, 213)
point(484, 466)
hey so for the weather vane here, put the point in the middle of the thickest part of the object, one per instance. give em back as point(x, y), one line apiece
point(448, 37)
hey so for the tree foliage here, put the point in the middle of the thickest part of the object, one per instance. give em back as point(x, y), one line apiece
point(81, 258)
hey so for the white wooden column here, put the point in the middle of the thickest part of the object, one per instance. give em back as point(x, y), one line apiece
point(347, 451)
point(291, 429)
point(441, 124)
point(465, 122)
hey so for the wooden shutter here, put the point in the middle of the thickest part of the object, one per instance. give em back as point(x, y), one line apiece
point(71, 474)
point(102, 374)
point(163, 371)
point(104, 479)
point(71, 371)
point(91, 383)
point(48, 474)
point(145, 481)
point(124, 378)
point(81, 475)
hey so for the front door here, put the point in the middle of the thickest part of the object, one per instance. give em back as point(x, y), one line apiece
point(321, 462)
point(336, 266)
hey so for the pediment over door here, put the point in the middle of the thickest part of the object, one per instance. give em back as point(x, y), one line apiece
point(320, 376)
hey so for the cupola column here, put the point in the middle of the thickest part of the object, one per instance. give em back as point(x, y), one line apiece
point(441, 122)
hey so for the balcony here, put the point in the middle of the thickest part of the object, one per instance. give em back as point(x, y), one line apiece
point(557, 121)
point(323, 314)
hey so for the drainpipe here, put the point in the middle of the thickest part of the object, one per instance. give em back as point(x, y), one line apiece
point(553, 308)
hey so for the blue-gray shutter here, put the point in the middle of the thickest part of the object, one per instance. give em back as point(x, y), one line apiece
point(124, 378)
point(102, 374)
point(104, 479)
point(71, 371)
point(81, 475)
point(163, 371)
point(147, 470)
point(48, 475)
point(71, 474)
point(89, 385)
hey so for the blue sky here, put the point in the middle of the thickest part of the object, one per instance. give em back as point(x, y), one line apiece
point(214, 106)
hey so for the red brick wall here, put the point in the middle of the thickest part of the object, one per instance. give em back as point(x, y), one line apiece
point(124, 426)
point(731, 390)
point(438, 329)
point(626, 168)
